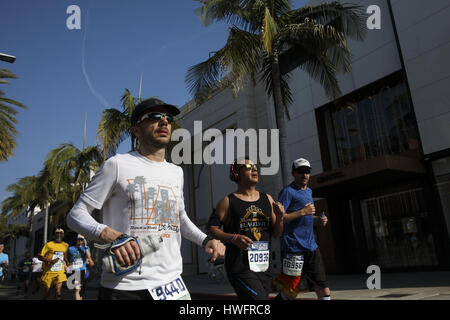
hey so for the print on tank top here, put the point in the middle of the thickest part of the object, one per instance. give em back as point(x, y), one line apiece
point(254, 221)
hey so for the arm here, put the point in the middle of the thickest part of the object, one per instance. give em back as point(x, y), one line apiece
point(308, 209)
point(66, 259)
point(322, 221)
point(277, 217)
point(94, 196)
point(223, 214)
point(89, 259)
point(191, 232)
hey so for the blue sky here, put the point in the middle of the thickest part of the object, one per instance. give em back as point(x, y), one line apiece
point(117, 42)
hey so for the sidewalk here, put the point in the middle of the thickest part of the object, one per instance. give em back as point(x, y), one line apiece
point(394, 286)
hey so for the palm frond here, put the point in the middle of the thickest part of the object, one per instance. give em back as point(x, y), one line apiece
point(231, 65)
point(269, 31)
point(128, 102)
point(346, 18)
point(320, 69)
point(267, 78)
point(114, 127)
point(234, 12)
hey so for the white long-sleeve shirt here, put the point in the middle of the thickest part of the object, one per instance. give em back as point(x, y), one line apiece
point(138, 197)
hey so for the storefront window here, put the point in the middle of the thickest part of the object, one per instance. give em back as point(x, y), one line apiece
point(398, 231)
point(374, 122)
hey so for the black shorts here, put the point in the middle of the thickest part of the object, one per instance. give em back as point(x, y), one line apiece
point(36, 276)
point(114, 294)
point(23, 277)
point(313, 272)
point(251, 285)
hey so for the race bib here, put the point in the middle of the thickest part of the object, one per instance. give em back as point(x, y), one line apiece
point(58, 265)
point(258, 256)
point(174, 290)
point(77, 264)
point(293, 264)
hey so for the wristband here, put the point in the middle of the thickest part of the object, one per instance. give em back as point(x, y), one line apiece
point(207, 239)
point(234, 237)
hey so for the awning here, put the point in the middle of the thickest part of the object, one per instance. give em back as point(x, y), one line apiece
point(375, 172)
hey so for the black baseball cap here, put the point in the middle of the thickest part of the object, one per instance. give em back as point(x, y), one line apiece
point(147, 105)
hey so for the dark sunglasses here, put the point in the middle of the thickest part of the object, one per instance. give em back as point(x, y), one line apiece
point(303, 171)
point(156, 116)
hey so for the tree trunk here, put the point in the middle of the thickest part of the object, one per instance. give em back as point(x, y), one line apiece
point(46, 224)
point(285, 159)
point(30, 229)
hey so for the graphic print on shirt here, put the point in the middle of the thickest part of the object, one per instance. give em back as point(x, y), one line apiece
point(255, 221)
point(153, 208)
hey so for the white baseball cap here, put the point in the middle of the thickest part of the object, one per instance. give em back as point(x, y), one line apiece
point(80, 237)
point(301, 163)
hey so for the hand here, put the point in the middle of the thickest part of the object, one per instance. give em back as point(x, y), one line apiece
point(278, 209)
point(127, 254)
point(324, 221)
point(309, 209)
point(216, 248)
point(242, 242)
point(52, 262)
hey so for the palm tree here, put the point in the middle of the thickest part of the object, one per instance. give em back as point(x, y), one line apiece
point(264, 37)
point(25, 196)
point(29, 193)
point(70, 170)
point(115, 125)
point(8, 119)
point(9, 233)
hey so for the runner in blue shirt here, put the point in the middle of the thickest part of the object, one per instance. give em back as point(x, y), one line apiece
point(299, 250)
point(78, 256)
point(4, 260)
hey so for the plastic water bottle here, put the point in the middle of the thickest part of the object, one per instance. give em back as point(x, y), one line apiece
point(148, 244)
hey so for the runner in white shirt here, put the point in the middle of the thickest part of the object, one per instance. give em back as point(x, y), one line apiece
point(141, 194)
point(36, 273)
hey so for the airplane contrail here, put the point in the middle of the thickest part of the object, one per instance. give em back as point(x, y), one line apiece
point(99, 97)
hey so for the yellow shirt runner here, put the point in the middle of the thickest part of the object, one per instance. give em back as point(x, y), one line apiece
point(53, 274)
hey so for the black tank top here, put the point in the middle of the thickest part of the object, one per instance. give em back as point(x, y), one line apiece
point(249, 218)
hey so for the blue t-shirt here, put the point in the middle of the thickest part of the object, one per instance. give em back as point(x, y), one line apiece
point(77, 256)
point(3, 257)
point(298, 235)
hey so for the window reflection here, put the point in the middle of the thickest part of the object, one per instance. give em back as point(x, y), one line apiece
point(377, 123)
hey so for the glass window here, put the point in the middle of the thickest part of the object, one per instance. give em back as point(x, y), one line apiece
point(398, 230)
point(371, 123)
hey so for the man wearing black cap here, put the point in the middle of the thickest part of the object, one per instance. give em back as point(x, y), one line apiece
point(141, 195)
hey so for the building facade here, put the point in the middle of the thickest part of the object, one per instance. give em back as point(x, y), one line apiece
point(380, 153)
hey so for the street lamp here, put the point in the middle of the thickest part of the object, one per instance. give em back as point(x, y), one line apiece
point(7, 57)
